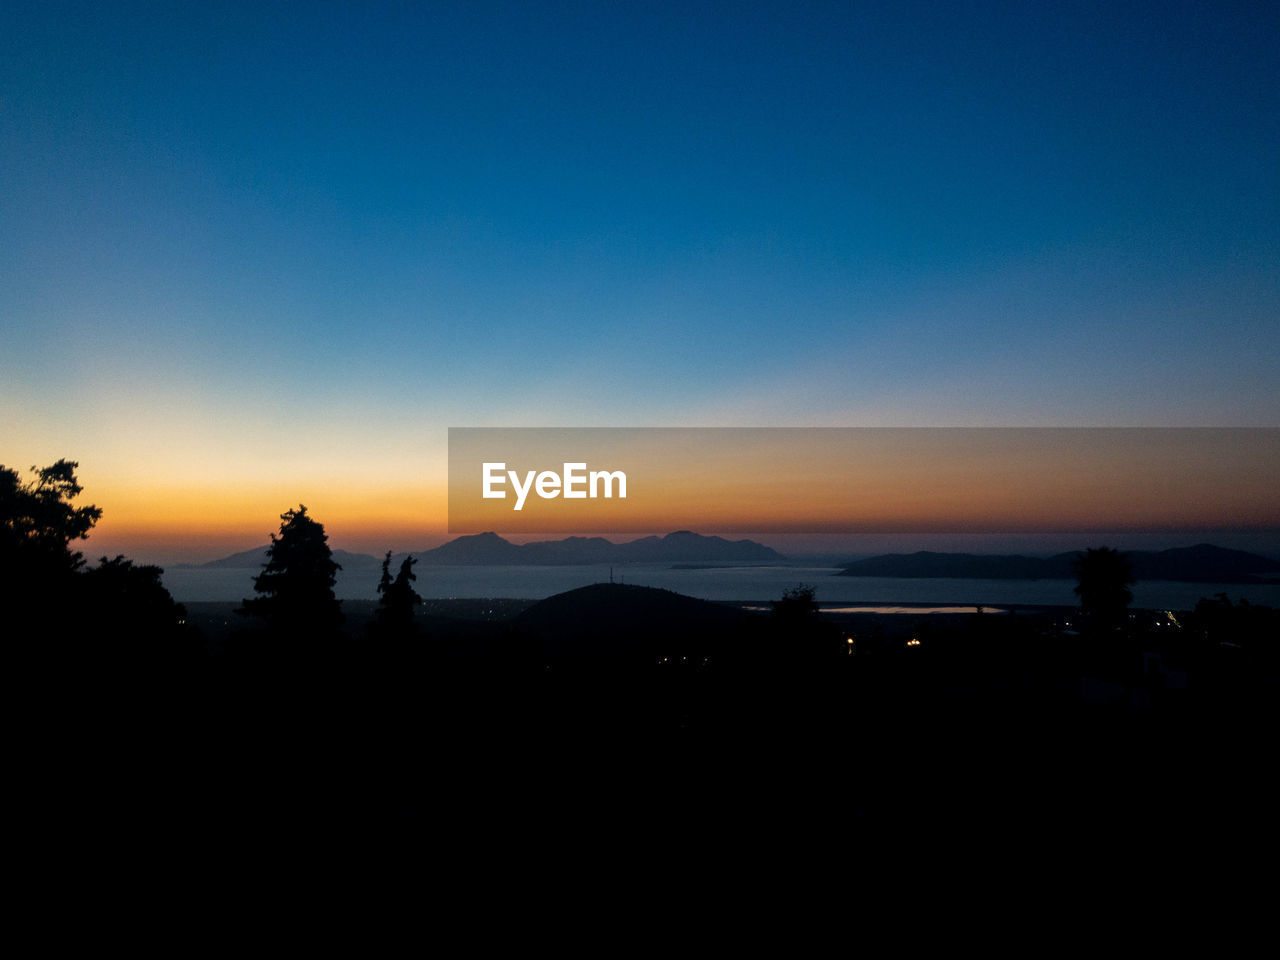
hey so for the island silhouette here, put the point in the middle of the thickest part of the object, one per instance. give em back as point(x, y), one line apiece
point(1202, 563)
point(489, 549)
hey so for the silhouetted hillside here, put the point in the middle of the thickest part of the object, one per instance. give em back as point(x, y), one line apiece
point(1203, 563)
point(606, 619)
point(491, 549)
point(685, 545)
point(964, 565)
point(245, 558)
point(486, 549)
point(256, 558)
point(569, 550)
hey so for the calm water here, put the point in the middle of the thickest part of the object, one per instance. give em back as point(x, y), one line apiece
point(723, 583)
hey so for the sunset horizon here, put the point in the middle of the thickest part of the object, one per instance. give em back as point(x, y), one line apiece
point(706, 440)
point(265, 259)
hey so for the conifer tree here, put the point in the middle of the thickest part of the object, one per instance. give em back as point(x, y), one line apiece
point(397, 598)
point(295, 588)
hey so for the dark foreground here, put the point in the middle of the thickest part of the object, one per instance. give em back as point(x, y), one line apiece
point(615, 719)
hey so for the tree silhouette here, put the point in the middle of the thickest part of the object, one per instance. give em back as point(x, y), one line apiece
point(39, 586)
point(397, 598)
point(295, 588)
point(106, 612)
point(384, 582)
point(38, 524)
point(1104, 578)
point(124, 599)
point(797, 604)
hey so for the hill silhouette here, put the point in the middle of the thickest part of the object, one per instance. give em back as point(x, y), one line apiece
point(481, 548)
point(489, 549)
point(1202, 563)
point(609, 619)
point(683, 545)
point(256, 557)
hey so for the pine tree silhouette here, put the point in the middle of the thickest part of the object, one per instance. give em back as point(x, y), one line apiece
point(295, 588)
point(397, 598)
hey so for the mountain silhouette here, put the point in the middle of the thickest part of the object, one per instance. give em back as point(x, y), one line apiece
point(489, 549)
point(683, 545)
point(258, 556)
point(1202, 563)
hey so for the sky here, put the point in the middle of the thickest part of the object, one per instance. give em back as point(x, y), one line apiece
point(253, 255)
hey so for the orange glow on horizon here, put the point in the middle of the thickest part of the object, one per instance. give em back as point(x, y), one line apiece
point(207, 521)
point(880, 481)
point(740, 482)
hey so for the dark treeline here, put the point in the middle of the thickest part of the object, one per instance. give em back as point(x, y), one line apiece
point(624, 714)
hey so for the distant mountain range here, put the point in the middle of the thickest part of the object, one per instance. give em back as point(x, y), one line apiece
point(256, 558)
point(1203, 563)
point(489, 549)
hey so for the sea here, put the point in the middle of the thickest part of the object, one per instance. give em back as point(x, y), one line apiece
point(756, 583)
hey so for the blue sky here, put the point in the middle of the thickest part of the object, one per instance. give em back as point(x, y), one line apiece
point(286, 239)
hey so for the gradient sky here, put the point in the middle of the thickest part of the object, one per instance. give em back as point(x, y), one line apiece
point(258, 254)
point(874, 480)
